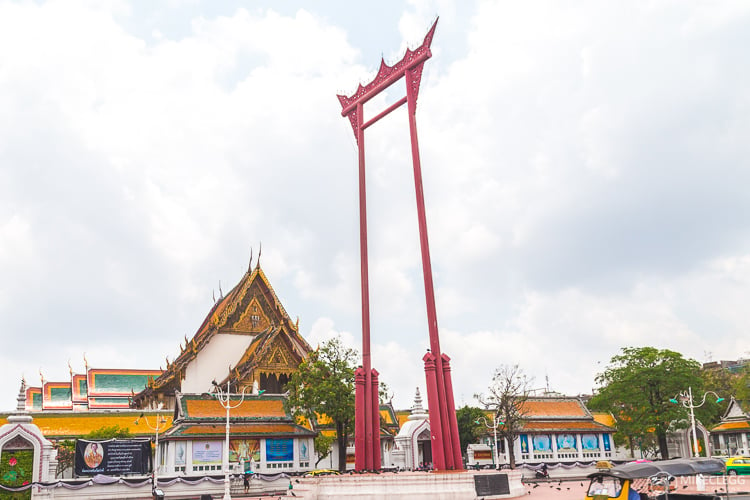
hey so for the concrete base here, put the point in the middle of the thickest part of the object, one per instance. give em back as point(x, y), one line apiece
point(403, 485)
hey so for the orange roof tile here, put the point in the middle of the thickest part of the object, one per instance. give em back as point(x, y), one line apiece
point(243, 429)
point(80, 424)
point(387, 416)
point(402, 416)
point(604, 419)
point(554, 408)
point(727, 426)
point(212, 408)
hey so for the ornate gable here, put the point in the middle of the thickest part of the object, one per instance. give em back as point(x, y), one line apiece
point(278, 358)
point(253, 319)
point(250, 308)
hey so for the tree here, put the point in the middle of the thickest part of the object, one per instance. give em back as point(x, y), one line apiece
point(324, 385)
point(468, 430)
point(508, 393)
point(66, 455)
point(636, 387)
point(111, 432)
point(323, 445)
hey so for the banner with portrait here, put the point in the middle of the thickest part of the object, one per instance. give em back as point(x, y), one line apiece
point(207, 452)
point(115, 457)
point(566, 442)
point(244, 449)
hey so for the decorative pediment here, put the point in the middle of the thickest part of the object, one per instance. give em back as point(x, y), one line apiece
point(279, 358)
point(18, 443)
point(253, 319)
point(734, 411)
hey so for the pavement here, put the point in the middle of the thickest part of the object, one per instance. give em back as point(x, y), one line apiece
point(575, 488)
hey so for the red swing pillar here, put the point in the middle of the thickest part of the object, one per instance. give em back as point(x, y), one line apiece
point(443, 424)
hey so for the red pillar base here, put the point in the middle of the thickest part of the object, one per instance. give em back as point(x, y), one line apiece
point(458, 462)
point(359, 419)
point(433, 403)
point(376, 458)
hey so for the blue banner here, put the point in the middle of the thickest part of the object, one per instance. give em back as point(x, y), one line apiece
point(524, 443)
point(279, 450)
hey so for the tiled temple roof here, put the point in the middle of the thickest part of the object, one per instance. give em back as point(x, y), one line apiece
point(252, 408)
point(557, 407)
point(72, 425)
point(259, 429)
point(228, 312)
point(731, 426)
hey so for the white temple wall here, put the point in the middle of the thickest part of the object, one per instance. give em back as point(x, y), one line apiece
point(211, 362)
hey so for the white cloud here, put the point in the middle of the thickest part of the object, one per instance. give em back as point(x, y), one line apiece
point(583, 168)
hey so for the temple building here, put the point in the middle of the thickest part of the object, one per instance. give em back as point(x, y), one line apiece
point(265, 438)
point(554, 429)
point(732, 435)
point(247, 342)
point(248, 330)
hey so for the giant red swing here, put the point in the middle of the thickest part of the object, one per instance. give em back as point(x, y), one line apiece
point(446, 450)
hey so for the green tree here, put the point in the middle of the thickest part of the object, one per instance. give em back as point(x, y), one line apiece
point(741, 384)
point(109, 432)
point(324, 385)
point(724, 384)
point(322, 445)
point(506, 398)
point(636, 387)
point(469, 431)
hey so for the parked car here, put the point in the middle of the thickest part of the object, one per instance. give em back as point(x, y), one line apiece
point(738, 465)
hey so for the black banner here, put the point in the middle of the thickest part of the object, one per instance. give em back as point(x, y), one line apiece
point(116, 457)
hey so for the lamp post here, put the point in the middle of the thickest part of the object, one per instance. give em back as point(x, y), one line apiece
point(224, 400)
point(156, 428)
point(496, 422)
point(686, 400)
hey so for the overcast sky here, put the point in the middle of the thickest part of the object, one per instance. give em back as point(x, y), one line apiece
point(585, 167)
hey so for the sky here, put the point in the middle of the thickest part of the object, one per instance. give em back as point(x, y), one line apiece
point(585, 168)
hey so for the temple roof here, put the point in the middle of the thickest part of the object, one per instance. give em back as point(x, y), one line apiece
point(258, 429)
point(207, 407)
point(74, 425)
point(735, 418)
point(198, 415)
point(251, 308)
point(556, 407)
point(109, 382)
point(604, 418)
point(731, 426)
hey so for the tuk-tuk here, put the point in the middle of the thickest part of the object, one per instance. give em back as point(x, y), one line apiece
point(617, 482)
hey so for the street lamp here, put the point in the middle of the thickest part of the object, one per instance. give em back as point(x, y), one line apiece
point(224, 400)
point(686, 400)
point(496, 422)
point(156, 428)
